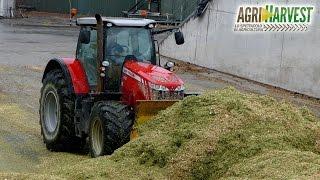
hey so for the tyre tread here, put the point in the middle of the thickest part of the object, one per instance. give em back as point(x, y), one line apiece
point(66, 140)
point(117, 122)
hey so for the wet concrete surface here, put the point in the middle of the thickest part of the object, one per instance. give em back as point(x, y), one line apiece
point(20, 45)
point(24, 52)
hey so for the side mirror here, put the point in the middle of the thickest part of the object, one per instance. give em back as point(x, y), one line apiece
point(84, 36)
point(179, 37)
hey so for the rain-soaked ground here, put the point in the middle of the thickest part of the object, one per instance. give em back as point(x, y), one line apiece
point(24, 51)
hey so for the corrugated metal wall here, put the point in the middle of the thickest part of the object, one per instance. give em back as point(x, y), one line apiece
point(179, 9)
point(105, 7)
point(60, 6)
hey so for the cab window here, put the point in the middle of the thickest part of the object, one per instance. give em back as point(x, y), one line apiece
point(87, 54)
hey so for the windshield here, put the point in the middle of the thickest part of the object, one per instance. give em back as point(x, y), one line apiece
point(129, 41)
point(122, 42)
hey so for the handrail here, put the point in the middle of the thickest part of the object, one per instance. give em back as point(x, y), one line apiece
point(192, 15)
point(135, 6)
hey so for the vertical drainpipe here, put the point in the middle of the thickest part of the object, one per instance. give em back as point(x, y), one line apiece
point(181, 11)
point(136, 6)
point(70, 21)
point(159, 6)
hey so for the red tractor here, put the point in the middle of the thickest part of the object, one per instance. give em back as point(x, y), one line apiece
point(114, 84)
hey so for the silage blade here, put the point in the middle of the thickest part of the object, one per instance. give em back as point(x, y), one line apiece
point(146, 110)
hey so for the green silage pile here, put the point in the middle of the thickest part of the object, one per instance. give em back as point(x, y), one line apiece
point(222, 134)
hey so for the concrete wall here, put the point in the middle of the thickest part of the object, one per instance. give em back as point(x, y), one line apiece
point(290, 60)
point(5, 7)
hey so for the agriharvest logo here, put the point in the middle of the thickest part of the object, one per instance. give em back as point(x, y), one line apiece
point(273, 18)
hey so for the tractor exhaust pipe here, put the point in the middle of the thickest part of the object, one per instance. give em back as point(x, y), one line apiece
point(100, 74)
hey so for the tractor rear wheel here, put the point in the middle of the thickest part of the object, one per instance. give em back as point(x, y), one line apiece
point(56, 114)
point(110, 127)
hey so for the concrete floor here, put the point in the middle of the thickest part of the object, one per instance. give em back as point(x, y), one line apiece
point(24, 52)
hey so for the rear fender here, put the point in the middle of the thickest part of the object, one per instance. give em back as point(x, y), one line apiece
point(74, 74)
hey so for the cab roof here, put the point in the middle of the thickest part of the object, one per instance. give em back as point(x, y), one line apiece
point(116, 21)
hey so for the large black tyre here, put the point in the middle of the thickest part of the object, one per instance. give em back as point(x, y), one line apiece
point(56, 114)
point(110, 127)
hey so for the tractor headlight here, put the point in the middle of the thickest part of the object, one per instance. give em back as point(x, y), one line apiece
point(151, 26)
point(158, 87)
point(109, 24)
point(180, 88)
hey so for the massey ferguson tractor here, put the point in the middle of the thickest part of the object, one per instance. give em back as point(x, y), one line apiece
point(114, 83)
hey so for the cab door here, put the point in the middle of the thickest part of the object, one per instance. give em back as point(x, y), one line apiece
point(87, 55)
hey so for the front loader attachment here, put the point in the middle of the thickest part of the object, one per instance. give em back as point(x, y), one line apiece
point(146, 110)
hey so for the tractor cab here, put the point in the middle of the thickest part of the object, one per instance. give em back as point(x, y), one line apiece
point(114, 84)
point(123, 39)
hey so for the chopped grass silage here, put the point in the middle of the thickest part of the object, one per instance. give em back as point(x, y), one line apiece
point(26, 176)
point(220, 134)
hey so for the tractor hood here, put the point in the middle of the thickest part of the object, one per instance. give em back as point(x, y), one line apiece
point(151, 74)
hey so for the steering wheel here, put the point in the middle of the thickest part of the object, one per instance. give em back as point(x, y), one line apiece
point(142, 56)
point(119, 50)
point(125, 47)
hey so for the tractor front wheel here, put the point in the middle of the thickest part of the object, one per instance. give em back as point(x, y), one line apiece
point(110, 127)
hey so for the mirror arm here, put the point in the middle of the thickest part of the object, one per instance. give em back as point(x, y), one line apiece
point(165, 30)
